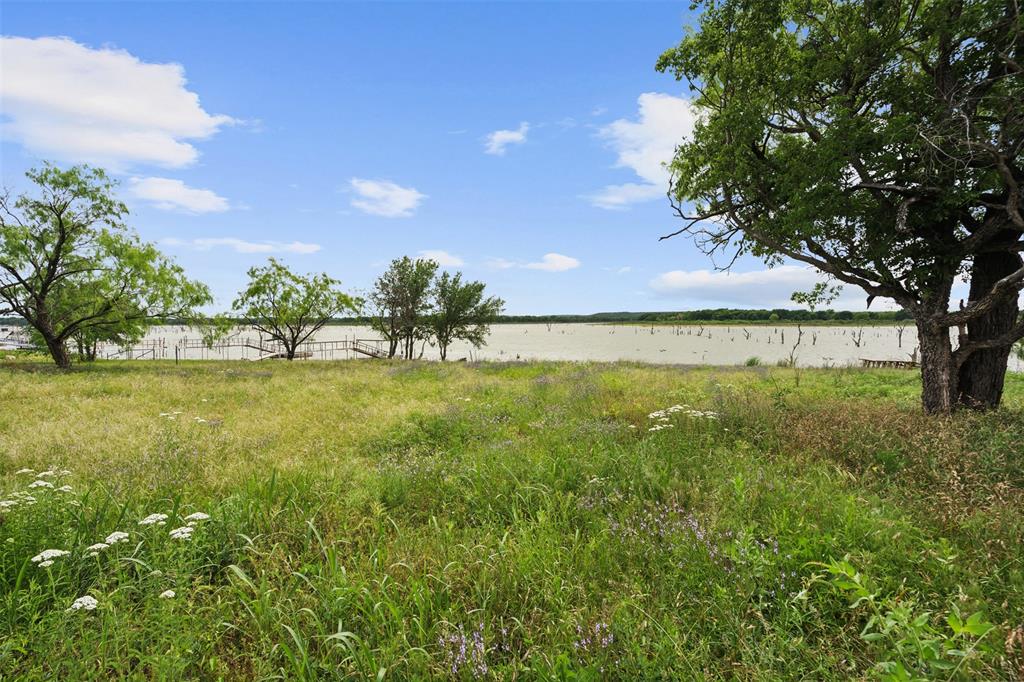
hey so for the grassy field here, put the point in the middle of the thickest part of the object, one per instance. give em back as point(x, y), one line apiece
point(520, 521)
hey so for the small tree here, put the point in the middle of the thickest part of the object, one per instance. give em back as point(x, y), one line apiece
point(401, 303)
point(290, 308)
point(71, 268)
point(461, 312)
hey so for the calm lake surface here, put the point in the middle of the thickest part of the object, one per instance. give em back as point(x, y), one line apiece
point(820, 346)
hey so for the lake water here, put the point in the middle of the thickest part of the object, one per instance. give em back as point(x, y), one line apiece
point(820, 346)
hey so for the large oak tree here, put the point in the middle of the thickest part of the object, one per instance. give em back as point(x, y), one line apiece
point(878, 141)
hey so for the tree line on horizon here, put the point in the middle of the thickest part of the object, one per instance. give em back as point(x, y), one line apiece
point(78, 276)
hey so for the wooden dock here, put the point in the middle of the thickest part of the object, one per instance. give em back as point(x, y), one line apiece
point(240, 348)
point(888, 364)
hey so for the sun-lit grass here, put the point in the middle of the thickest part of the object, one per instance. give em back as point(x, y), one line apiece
point(504, 521)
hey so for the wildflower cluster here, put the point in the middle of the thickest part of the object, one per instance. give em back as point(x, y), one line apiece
point(760, 558)
point(21, 498)
point(86, 603)
point(414, 465)
point(668, 524)
point(157, 519)
point(47, 556)
point(464, 652)
point(180, 533)
point(42, 483)
point(662, 419)
point(593, 638)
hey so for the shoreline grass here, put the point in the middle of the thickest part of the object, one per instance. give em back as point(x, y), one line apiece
point(505, 521)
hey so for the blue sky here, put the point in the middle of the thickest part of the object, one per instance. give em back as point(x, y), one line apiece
point(518, 142)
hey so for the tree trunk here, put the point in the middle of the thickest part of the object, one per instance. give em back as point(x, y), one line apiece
point(58, 351)
point(983, 372)
point(938, 372)
point(444, 351)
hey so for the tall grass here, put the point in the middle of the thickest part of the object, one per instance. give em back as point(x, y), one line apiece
point(530, 521)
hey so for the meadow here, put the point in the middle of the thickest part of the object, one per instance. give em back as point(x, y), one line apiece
point(552, 521)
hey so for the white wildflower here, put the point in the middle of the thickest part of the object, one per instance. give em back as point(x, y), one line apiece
point(153, 518)
point(64, 489)
point(44, 564)
point(86, 603)
point(24, 471)
point(167, 594)
point(94, 550)
point(46, 474)
point(183, 533)
point(40, 484)
point(116, 537)
point(196, 516)
point(8, 504)
point(48, 555)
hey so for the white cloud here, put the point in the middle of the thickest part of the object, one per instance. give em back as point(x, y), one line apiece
point(383, 198)
point(500, 263)
point(644, 146)
point(554, 262)
point(175, 195)
point(105, 106)
point(621, 196)
point(242, 246)
point(443, 258)
point(550, 262)
point(768, 288)
point(497, 141)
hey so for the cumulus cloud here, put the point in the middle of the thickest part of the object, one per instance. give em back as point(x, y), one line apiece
point(554, 262)
point(500, 263)
point(105, 106)
point(549, 262)
point(383, 198)
point(499, 140)
point(442, 258)
point(644, 146)
point(242, 246)
point(768, 288)
point(174, 195)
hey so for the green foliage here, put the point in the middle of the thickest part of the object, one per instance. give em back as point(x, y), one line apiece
point(911, 645)
point(288, 307)
point(73, 270)
point(401, 301)
point(214, 328)
point(460, 311)
point(877, 142)
point(820, 294)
